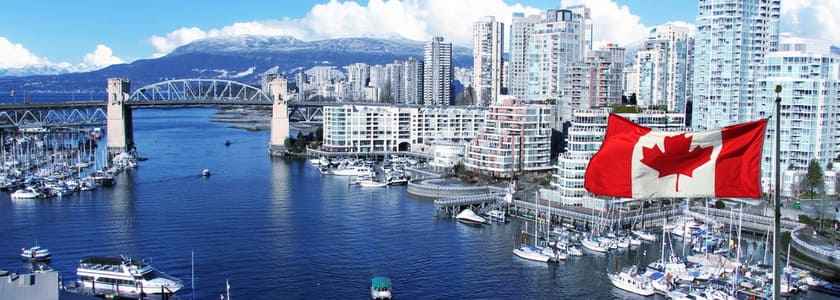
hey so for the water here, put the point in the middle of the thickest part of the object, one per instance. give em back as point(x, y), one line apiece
point(277, 229)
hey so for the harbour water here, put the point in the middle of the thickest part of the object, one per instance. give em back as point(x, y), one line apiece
point(277, 229)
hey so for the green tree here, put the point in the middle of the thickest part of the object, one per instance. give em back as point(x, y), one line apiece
point(719, 204)
point(813, 182)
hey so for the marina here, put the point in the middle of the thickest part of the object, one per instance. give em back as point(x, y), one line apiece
point(252, 225)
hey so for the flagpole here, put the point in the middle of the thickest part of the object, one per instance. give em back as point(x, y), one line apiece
point(777, 198)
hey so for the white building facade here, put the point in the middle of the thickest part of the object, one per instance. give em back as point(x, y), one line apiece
point(809, 75)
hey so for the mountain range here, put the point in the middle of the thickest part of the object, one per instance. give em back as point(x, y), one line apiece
point(241, 58)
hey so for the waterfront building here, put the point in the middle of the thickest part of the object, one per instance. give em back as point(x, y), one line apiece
point(559, 40)
point(362, 128)
point(585, 135)
point(521, 27)
point(663, 67)
point(437, 72)
point(594, 82)
point(733, 38)
point(809, 75)
point(456, 124)
point(514, 141)
point(487, 60)
point(412, 81)
point(371, 128)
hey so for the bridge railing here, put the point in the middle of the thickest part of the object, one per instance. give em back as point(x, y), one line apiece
point(799, 242)
point(734, 215)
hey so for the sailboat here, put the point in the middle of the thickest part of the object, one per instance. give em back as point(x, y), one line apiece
point(529, 252)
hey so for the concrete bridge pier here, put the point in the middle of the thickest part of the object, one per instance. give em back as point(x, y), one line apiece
point(120, 133)
point(279, 117)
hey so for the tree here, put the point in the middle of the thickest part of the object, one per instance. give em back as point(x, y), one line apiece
point(813, 181)
point(719, 204)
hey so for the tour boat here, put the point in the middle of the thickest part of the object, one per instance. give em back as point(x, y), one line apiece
point(632, 282)
point(124, 276)
point(467, 216)
point(35, 253)
point(380, 288)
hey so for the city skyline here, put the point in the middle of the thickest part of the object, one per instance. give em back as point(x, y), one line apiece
point(101, 33)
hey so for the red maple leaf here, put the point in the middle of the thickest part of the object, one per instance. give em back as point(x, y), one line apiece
point(677, 158)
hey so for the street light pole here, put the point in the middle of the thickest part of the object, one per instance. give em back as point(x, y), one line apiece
point(777, 247)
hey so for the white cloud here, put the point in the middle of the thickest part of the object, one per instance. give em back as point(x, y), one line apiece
point(16, 56)
point(612, 23)
point(817, 19)
point(102, 56)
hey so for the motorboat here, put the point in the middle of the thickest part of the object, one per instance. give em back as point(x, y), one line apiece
point(371, 183)
point(353, 171)
point(103, 178)
point(497, 216)
point(381, 288)
point(205, 172)
point(124, 276)
point(530, 253)
point(27, 193)
point(468, 216)
point(35, 254)
point(632, 282)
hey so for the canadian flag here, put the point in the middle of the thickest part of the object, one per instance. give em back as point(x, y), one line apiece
point(639, 162)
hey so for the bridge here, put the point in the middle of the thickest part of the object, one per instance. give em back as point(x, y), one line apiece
point(116, 111)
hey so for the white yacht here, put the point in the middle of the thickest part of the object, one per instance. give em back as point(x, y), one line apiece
point(595, 244)
point(27, 193)
point(353, 171)
point(632, 282)
point(124, 276)
point(467, 216)
point(530, 253)
point(645, 235)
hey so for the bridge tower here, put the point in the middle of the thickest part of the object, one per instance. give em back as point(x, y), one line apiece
point(120, 130)
point(279, 117)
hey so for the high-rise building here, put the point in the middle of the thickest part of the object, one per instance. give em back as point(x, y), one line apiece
point(809, 75)
point(437, 72)
point(733, 37)
point(560, 39)
point(664, 68)
point(596, 81)
point(394, 87)
point(521, 27)
point(488, 35)
point(412, 81)
point(358, 75)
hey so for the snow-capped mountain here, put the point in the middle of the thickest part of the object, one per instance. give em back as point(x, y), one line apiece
point(241, 58)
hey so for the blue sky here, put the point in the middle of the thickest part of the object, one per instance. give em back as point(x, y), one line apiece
point(94, 33)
